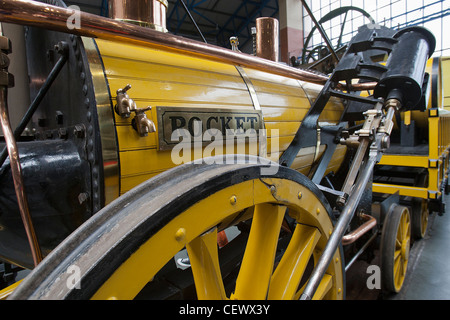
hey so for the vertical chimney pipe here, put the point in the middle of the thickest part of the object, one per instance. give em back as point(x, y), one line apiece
point(267, 38)
point(145, 13)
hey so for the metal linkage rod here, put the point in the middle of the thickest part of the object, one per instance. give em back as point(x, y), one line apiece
point(36, 102)
point(188, 12)
point(339, 230)
point(371, 157)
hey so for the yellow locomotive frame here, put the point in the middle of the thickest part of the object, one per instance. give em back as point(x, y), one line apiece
point(436, 161)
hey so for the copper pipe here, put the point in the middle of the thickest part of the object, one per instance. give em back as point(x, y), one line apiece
point(267, 38)
point(350, 238)
point(37, 14)
point(363, 86)
point(145, 13)
point(18, 179)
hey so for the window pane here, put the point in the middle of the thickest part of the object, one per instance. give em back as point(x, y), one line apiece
point(432, 14)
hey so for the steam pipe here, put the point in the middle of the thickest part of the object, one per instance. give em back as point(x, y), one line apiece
point(18, 179)
point(350, 238)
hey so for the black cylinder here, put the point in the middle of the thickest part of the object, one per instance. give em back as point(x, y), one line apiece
point(57, 184)
point(406, 66)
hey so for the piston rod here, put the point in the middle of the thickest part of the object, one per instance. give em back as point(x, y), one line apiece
point(339, 230)
point(371, 158)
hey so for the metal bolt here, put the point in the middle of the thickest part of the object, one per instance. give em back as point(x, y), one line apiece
point(233, 200)
point(83, 197)
point(59, 117)
point(78, 131)
point(273, 189)
point(180, 234)
point(62, 133)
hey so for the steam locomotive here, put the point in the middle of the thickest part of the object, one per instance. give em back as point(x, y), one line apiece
point(142, 150)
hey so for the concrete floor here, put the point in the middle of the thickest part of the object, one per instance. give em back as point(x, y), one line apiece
point(428, 275)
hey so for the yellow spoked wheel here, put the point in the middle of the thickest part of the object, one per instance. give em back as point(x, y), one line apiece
point(419, 215)
point(395, 246)
point(125, 251)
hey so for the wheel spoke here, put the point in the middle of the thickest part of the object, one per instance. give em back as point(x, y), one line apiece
point(397, 268)
point(257, 265)
point(401, 231)
point(398, 243)
point(289, 272)
point(204, 259)
point(408, 231)
point(397, 254)
point(405, 226)
point(323, 288)
point(325, 285)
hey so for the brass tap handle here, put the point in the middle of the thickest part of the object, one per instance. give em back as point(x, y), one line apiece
point(124, 104)
point(142, 124)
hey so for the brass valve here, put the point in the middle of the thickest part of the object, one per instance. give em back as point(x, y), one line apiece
point(124, 103)
point(125, 106)
point(141, 123)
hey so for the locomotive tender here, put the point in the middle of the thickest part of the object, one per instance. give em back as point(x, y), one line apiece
point(141, 146)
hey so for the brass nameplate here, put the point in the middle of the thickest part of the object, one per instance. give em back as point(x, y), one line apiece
point(197, 122)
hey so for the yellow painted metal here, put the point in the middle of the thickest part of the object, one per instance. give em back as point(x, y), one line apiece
point(406, 161)
point(402, 190)
point(407, 118)
point(437, 122)
point(203, 257)
point(5, 293)
point(165, 79)
point(266, 201)
point(264, 235)
point(291, 267)
point(324, 286)
point(402, 247)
